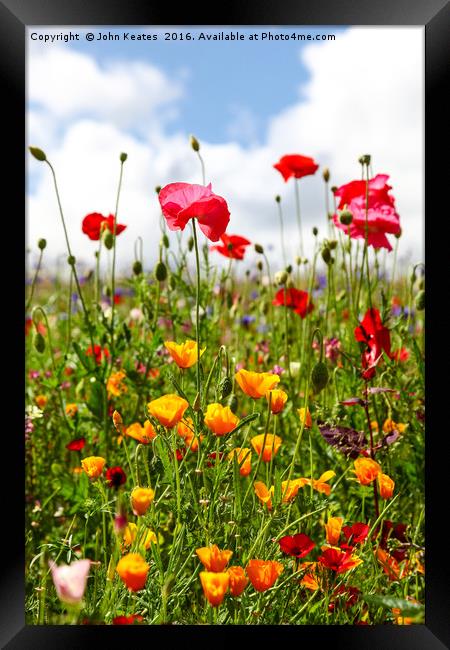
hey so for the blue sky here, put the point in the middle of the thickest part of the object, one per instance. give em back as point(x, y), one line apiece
point(248, 102)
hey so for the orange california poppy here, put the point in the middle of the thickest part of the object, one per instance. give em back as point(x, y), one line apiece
point(256, 384)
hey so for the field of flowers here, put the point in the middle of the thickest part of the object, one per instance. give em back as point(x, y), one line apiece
point(228, 444)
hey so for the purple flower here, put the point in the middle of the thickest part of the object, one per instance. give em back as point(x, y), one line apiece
point(247, 320)
point(277, 370)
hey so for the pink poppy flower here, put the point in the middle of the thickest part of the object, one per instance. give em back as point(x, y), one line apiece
point(381, 215)
point(183, 201)
point(70, 580)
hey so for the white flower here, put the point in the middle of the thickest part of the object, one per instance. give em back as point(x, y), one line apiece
point(33, 412)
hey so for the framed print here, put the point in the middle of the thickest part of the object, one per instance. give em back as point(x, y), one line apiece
point(225, 355)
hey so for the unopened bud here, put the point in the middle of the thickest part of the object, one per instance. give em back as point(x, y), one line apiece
point(278, 198)
point(319, 376)
point(326, 255)
point(233, 402)
point(165, 241)
point(195, 144)
point(225, 386)
point(37, 153)
point(117, 421)
point(172, 282)
point(315, 231)
point(108, 239)
point(190, 243)
point(413, 277)
point(160, 272)
point(334, 189)
point(259, 249)
point(39, 342)
point(137, 268)
point(326, 174)
point(260, 265)
point(289, 269)
point(158, 189)
point(281, 277)
point(346, 217)
point(365, 159)
point(332, 244)
point(196, 404)
point(123, 157)
point(399, 234)
point(420, 300)
point(42, 243)
point(71, 260)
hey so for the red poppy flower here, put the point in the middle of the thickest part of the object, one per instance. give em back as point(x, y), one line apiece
point(296, 165)
point(183, 201)
point(296, 545)
point(337, 560)
point(232, 246)
point(115, 477)
point(355, 534)
point(381, 215)
point(93, 225)
point(76, 445)
point(392, 531)
point(372, 332)
point(294, 299)
point(127, 620)
point(402, 354)
point(98, 353)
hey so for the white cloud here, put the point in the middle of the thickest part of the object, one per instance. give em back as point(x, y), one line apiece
point(364, 95)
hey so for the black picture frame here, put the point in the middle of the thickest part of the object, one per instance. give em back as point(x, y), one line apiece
point(434, 15)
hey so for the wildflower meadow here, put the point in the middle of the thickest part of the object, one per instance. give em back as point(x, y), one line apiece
point(220, 439)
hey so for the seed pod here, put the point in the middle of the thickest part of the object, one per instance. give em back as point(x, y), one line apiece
point(42, 243)
point(225, 386)
point(160, 272)
point(39, 342)
point(319, 376)
point(420, 300)
point(346, 217)
point(137, 268)
point(37, 153)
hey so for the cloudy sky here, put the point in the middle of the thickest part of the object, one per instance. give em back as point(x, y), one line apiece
point(247, 102)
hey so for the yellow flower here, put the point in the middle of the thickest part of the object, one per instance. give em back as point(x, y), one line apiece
point(41, 401)
point(270, 443)
point(145, 536)
point(93, 466)
point(141, 499)
point(319, 484)
point(256, 384)
point(133, 570)
point(277, 401)
point(385, 486)
point(333, 530)
point(289, 489)
point(366, 470)
point(220, 419)
point(168, 409)
point(184, 354)
point(115, 385)
point(389, 426)
point(213, 559)
point(71, 410)
point(144, 434)
point(307, 419)
point(244, 459)
point(215, 586)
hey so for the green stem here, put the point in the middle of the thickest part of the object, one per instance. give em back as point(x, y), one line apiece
point(113, 272)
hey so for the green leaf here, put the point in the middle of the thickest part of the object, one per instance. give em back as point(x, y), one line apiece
point(406, 607)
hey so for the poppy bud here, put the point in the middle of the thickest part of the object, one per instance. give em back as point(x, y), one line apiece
point(259, 266)
point(278, 198)
point(123, 157)
point(326, 174)
point(421, 284)
point(37, 153)
point(107, 291)
point(233, 402)
point(365, 160)
point(160, 272)
point(42, 243)
point(333, 188)
point(196, 405)
point(108, 239)
point(420, 300)
point(195, 144)
point(361, 160)
point(399, 234)
point(190, 243)
point(281, 277)
point(71, 260)
point(165, 241)
point(172, 282)
point(158, 189)
point(137, 268)
point(319, 376)
point(413, 277)
point(226, 386)
point(289, 269)
point(259, 249)
point(315, 231)
point(332, 244)
point(39, 342)
point(326, 255)
point(298, 261)
point(346, 217)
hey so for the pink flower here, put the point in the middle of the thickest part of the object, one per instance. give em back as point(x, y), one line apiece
point(381, 215)
point(183, 201)
point(70, 580)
